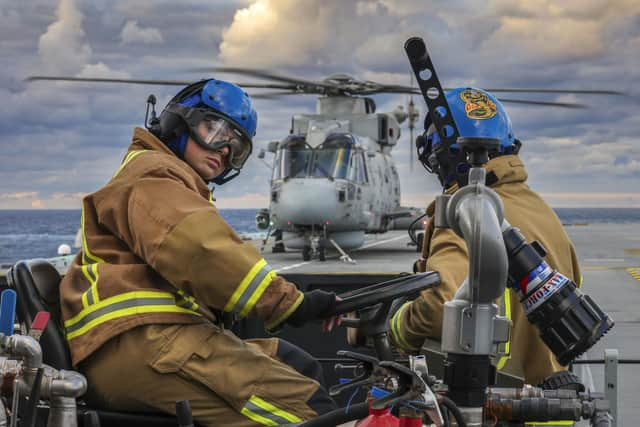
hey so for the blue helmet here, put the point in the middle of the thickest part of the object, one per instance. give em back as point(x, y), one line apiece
point(227, 109)
point(476, 113)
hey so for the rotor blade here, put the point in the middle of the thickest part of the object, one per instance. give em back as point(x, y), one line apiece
point(409, 89)
point(108, 80)
point(275, 95)
point(543, 103)
point(578, 91)
point(292, 88)
point(152, 82)
point(267, 75)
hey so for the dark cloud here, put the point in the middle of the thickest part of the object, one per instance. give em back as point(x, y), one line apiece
point(68, 138)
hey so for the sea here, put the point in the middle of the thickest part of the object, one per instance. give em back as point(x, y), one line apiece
point(34, 233)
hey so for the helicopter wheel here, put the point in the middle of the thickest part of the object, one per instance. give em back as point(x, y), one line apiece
point(322, 255)
point(306, 253)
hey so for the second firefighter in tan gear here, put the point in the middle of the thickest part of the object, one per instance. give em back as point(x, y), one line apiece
point(446, 252)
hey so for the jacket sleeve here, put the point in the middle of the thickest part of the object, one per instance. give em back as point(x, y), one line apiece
point(575, 266)
point(182, 236)
point(422, 318)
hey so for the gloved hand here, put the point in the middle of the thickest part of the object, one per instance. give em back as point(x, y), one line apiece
point(316, 304)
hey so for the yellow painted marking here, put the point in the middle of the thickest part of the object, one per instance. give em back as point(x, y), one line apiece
point(603, 267)
point(634, 272)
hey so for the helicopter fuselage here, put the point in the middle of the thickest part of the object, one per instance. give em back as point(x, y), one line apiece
point(334, 177)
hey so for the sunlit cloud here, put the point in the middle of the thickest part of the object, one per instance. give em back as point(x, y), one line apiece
point(133, 33)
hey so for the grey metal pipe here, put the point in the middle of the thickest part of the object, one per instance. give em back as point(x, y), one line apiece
point(63, 412)
point(68, 384)
point(62, 388)
point(471, 322)
point(25, 346)
point(3, 415)
point(28, 348)
point(476, 214)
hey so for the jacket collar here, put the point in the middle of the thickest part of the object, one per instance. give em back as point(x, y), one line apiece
point(506, 169)
point(145, 140)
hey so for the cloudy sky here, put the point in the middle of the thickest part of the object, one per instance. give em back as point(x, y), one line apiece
point(60, 141)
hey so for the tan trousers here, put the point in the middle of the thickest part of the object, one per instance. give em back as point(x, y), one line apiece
point(229, 382)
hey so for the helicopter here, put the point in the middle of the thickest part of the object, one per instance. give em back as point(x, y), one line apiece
point(333, 178)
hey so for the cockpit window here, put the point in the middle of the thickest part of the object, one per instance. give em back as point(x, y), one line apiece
point(330, 162)
point(334, 158)
point(292, 158)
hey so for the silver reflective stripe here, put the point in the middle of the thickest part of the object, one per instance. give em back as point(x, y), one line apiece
point(266, 414)
point(134, 302)
point(90, 296)
point(251, 288)
point(94, 276)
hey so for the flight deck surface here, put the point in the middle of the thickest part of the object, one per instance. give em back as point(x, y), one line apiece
point(610, 260)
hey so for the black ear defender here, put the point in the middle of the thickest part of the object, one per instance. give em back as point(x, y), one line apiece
point(153, 124)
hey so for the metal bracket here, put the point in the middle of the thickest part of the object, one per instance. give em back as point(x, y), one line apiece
point(611, 382)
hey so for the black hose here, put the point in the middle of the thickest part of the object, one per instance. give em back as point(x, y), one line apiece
point(410, 229)
point(453, 408)
point(339, 416)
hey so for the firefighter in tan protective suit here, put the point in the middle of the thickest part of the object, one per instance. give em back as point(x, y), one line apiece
point(157, 262)
point(478, 113)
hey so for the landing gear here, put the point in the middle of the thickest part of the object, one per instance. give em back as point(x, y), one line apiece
point(278, 247)
point(322, 256)
point(306, 253)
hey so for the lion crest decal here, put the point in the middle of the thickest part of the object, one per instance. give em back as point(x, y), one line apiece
point(477, 104)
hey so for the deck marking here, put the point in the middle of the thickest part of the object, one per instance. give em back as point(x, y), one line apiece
point(289, 267)
point(634, 272)
point(380, 242)
point(300, 264)
point(604, 260)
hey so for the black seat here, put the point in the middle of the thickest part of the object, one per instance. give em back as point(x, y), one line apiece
point(36, 283)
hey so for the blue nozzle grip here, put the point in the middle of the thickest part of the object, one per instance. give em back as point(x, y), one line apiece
point(7, 311)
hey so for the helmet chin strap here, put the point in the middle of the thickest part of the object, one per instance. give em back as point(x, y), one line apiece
point(224, 177)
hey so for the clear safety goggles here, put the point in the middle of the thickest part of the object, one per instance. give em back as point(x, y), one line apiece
point(216, 133)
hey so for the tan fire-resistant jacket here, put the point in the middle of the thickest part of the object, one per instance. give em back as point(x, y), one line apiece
point(155, 250)
point(447, 254)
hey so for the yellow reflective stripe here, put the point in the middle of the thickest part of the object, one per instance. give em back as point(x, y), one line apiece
point(287, 313)
point(243, 284)
point(257, 418)
point(127, 159)
point(85, 303)
point(250, 288)
point(186, 300)
point(91, 295)
point(258, 293)
point(94, 287)
point(211, 199)
point(266, 413)
point(116, 299)
point(506, 298)
point(164, 308)
point(550, 423)
point(86, 253)
point(395, 328)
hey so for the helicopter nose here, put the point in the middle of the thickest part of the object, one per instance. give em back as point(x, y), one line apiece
point(308, 202)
